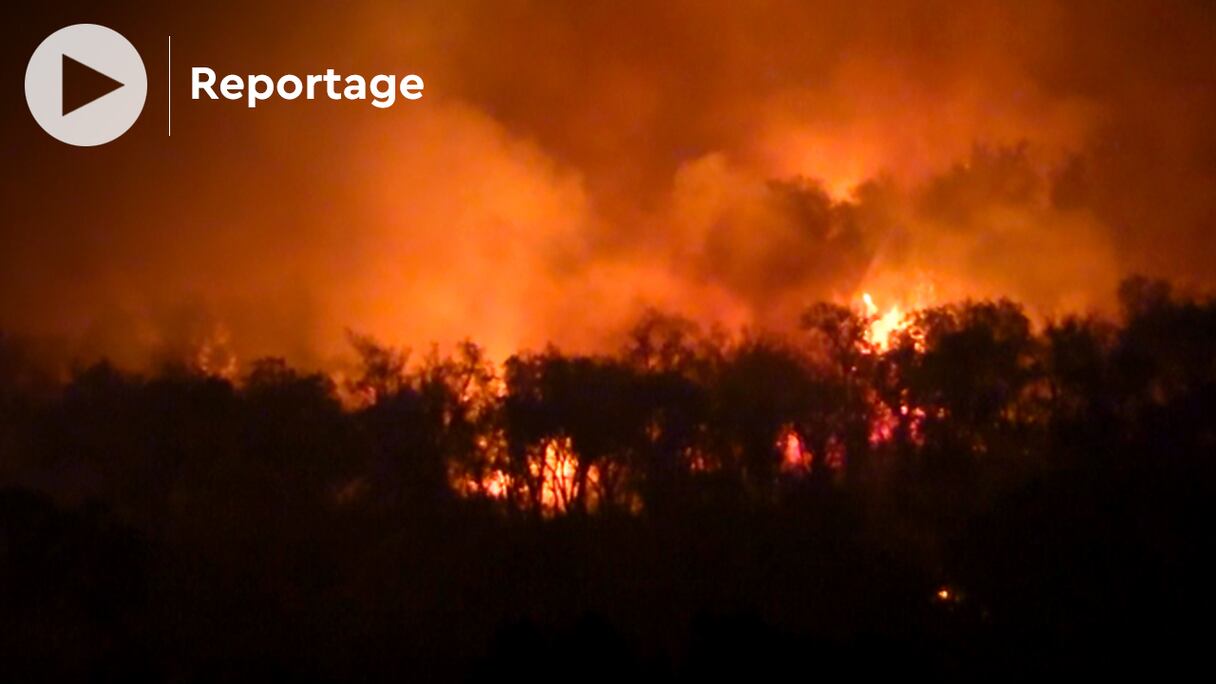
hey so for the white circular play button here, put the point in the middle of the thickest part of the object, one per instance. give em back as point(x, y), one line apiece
point(86, 85)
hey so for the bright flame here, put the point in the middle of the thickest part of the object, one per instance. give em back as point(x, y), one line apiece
point(557, 473)
point(553, 469)
point(883, 326)
point(497, 485)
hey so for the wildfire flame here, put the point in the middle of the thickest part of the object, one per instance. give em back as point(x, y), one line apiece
point(883, 326)
point(556, 473)
point(497, 485)
point(553, 472)
point(795, 457)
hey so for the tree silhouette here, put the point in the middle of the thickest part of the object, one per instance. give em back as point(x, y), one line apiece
point(981, 494)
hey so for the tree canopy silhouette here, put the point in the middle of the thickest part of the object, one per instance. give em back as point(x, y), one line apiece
point(979, 488)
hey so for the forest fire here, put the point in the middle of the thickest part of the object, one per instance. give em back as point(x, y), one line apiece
point(661, 341)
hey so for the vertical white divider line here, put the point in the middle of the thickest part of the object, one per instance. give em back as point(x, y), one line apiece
point(170, 86)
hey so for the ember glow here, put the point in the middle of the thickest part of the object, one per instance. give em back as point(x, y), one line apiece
point(794, 455)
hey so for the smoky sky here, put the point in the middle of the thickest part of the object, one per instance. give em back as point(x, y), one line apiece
point(575, 163)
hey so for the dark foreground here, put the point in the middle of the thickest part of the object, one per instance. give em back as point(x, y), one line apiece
point(980, 500)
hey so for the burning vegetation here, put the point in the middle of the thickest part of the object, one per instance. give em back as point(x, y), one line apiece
point(554, 433)
point(911, 436)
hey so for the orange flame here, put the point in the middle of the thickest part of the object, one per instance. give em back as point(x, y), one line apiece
point(795, 457)
point(883, 326)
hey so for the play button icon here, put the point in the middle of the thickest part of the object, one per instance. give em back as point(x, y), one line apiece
point(85, 85)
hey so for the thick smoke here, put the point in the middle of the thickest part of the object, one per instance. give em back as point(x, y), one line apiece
point(573, 164)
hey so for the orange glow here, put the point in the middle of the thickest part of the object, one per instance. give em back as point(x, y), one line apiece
point(213, 355)
point(885, 424)
point(700, 461)
point(882, 425)
point(795, 457)
point(497, 485)
point(550, 198)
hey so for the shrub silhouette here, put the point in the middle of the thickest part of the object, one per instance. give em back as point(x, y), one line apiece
point(981, 496)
